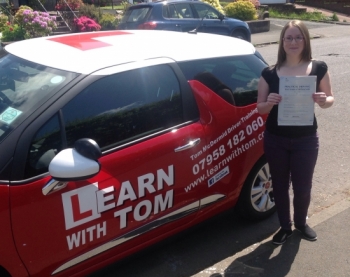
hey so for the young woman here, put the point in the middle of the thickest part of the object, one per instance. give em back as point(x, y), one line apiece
point(292, 151)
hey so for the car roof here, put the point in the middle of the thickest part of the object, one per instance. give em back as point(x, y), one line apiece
point(88, 52)
point(167, 1)
point(163, 3)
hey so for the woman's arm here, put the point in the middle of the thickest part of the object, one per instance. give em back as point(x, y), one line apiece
point(266, 100)
point(324, 98)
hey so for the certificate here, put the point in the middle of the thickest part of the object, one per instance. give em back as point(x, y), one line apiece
point(297, 105)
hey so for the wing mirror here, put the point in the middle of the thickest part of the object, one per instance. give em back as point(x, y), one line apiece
point(78, 163)
point(74, 164)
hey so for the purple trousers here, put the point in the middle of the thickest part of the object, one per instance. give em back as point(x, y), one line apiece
point(291, 160)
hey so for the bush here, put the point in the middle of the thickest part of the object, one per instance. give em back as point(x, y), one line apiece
point(335, 17)
point(35, 24)
point(12, 33)
point(19, 13)
point(67, 5)
point(3, 21)
point(108, 22)
point(256, 3)
point(90, 11)
point(85, 24)
point(215, 4)
point(241, 9)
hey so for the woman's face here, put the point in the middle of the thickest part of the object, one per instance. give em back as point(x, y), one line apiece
point(293, 42)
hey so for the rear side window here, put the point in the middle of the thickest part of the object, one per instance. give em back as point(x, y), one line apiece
point(135, 15)
point(179, 10)
point(240, 73)
point(113, 111)
point(169, 11)
point(205, 11)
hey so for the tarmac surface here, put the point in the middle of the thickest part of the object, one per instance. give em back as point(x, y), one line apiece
point(272, 36)
point(329, 256)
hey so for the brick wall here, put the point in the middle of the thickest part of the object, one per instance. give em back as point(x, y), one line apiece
point(338, 6)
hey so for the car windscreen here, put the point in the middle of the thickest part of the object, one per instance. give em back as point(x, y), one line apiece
point(24, 86)
point(135, 14)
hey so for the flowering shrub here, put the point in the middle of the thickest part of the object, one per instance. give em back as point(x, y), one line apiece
point(19, 14)
point(66, 5)
point(28, 24)
point(216, 4)
point(256, 3)
point(36, 24)
point(241, 9)
point(90, 11)
point(85, 24)
point(108, 22)
point(3, 21)
point(12, 32)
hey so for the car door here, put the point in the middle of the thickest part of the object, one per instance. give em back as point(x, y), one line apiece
point(234, 132)
point(147, 126)
point(211, 21)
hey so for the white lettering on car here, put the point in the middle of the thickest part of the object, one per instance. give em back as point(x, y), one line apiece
point(88, 234)
point(88, 203)
point(80, 205)
point(231, 143)
point(160, 204)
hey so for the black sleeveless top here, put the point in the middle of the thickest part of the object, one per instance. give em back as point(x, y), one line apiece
point(319, 69)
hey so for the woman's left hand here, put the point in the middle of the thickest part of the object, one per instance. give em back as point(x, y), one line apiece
point(320, 98)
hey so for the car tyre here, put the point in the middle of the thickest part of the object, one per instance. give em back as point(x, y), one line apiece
point(256, 200)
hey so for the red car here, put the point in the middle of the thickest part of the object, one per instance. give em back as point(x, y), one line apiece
point(106, 147)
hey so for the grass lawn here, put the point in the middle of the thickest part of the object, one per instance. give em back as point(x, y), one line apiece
point(308, 16)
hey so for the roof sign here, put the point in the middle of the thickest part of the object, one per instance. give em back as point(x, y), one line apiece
point(87, 41)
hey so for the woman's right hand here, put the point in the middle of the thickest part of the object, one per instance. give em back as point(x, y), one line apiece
point(273, 99)
point(266, 100)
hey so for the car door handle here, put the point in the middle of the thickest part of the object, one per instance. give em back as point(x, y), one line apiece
point(189, 145)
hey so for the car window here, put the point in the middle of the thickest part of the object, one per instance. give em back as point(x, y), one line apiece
point(169, 11)
point(240, 73)
point(112, 111)
point(206, 11)
point(24, 87)
point(184, 10)
point(135, 15)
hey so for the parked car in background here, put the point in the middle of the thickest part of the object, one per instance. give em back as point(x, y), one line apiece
point(183, 16)
point(106, 149)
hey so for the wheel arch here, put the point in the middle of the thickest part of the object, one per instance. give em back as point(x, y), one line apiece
point(243, 31)
point(4, 272)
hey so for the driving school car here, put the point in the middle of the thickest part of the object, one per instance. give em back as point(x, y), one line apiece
point(106, 148)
